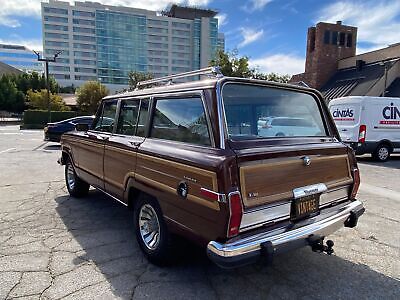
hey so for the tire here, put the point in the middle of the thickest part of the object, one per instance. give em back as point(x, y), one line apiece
point(381, 153)
point(151, 231)
point(76, 186)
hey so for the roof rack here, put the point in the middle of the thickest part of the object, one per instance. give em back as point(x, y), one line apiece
point(209, 72)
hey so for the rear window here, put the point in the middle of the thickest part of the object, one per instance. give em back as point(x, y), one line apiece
point(254, 111)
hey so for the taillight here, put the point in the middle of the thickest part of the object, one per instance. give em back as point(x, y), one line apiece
point(362, 133)
point(356, 183)
point(236, 212)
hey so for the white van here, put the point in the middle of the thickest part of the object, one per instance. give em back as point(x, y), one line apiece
point(368, 124)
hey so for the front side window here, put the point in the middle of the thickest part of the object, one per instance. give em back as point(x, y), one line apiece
point(128, 117)
point(106, 120)
point(254, 112)
point(181, 119)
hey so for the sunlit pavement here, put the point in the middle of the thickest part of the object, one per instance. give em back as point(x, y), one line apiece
point(53, 246)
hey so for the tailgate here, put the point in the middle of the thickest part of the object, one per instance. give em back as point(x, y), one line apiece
point(266, 181)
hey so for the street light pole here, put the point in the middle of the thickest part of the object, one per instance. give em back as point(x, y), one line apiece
point(47, 60)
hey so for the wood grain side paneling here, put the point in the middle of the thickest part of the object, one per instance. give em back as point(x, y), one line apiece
point(166, 175)
point(265, 182)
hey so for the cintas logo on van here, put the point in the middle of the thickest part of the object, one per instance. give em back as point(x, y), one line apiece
point(346, 114)
point(391, 114)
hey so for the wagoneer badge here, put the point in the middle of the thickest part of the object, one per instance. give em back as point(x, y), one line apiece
point(306, 161)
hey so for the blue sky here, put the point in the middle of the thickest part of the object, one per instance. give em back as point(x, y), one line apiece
point(271, 32)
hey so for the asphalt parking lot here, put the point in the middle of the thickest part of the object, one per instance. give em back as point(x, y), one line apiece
point(53, 246)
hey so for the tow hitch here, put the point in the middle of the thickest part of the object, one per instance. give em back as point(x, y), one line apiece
point(318, 246)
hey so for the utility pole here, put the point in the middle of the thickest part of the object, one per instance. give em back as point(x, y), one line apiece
point(47, 61)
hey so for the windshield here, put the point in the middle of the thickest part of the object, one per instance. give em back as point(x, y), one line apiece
point(254, 111)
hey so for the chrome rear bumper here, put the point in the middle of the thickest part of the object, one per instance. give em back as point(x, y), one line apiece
point(244, 250)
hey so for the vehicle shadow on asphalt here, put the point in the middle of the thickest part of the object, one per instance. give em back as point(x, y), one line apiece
point(103, 236)
point(392, 163)
point(53, 147)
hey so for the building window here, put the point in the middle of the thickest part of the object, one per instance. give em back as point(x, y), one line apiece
point(334, 37)
point(84, 54)
point(157, 22)
point(83, 13)
point(52, 35)
point(85, 62)
point(56, 44)
point(327, 37)
point(52, 10)
point(55, 27)
point(349, 40)
point(84, 30)
point(181, 25)
point(342, 38)
point(61, 76)
point(84, 38)
point(83, 22)
point(55, 19)
point(84, 46)
point(59, 68)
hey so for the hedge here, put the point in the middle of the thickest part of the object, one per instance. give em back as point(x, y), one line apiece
point(37, 119)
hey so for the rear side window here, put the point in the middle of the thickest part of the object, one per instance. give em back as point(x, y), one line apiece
point(106, 120)
point(255, 112)
point(128, 117)
point(181, 119)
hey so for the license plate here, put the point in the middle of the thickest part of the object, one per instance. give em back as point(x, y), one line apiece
point(304, 207)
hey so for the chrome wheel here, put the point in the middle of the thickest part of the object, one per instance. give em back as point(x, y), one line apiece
point(70, 177)
point(149, 226)
point(383, 153)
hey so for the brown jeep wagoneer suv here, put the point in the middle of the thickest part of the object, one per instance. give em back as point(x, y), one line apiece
point(248, 168)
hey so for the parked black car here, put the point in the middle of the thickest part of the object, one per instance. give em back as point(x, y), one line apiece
point(53, 131)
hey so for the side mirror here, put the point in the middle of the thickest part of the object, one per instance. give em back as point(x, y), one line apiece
point(82, 127)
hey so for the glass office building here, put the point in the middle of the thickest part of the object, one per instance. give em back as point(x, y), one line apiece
point(102, 42)
point(20, 58)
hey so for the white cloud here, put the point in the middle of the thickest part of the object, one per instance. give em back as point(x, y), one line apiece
point(249, 36)
point(279, 63)
point(253, 5)
point(32, 44)
point(11, 9)
point(222, 19)
point(377, 21)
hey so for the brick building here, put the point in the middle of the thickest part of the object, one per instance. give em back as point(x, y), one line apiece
point(333, 67)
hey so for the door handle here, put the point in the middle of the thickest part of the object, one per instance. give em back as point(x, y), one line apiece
point(105, 138)
point(136, 144)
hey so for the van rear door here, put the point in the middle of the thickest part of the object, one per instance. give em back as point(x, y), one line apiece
point(347, 119)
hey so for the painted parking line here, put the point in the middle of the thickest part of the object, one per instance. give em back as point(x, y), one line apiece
point(10, 149)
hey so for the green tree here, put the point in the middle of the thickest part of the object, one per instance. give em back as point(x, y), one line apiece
point(90, 95)
point(272, 77)
point(38, 100)
point(10, 98)
point(233, 65)
point(135, 77)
